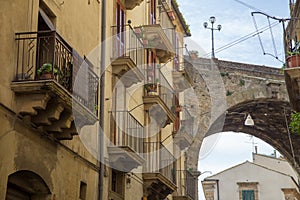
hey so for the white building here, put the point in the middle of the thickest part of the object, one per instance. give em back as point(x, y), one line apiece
point(263, 179)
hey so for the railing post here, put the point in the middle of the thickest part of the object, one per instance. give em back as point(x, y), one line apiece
point(53, 34)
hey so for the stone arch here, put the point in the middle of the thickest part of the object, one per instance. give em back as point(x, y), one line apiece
point(270, 117)
point(263, 94)
point(25, 185)
point(220, 86)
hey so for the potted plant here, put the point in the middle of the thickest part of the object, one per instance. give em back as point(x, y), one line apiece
point(151, 88)
point(295, 122)
point(46, 71)
point(293, 60)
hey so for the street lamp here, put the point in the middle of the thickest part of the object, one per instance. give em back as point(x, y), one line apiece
point(212, 20)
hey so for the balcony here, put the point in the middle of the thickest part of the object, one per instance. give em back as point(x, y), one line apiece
point(186, 183)
point(127, 55)
point(184, 136)
point(47, 70)
point(156, 38)
point(159, 168)
point(181, 79)
point(159, 37)
point(159, 98)
point(126, 141)
point(292, 80)
point(131, 4)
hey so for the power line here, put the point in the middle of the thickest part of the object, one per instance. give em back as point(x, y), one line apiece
point(242, 39)
point(255, 33)
point(258, 34)
point(271, 32)
point(249, 6)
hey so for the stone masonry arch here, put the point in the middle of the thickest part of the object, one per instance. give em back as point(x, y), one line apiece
point(257, 90)
point(270, 117)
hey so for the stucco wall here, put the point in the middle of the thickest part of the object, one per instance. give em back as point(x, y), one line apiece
point(269, 182)
point(277, 164)
point(62, 170)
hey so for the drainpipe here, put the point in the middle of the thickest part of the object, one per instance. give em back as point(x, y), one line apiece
point(218, 189)
point(101, 114)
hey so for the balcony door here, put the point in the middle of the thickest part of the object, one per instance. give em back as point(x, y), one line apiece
point(120, 35)
point(46, 40)
point(119, 114)
point(153, 12)
point(151, 67)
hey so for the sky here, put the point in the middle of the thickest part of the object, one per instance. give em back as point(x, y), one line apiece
point(237, 22)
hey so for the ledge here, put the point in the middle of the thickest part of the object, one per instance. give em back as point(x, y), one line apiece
point(51, 107)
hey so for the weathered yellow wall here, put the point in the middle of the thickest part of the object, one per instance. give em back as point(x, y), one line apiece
point(79, 24)
point(23, 149)
point(76, 21)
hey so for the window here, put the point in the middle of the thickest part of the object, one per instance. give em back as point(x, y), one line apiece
point(248, 190)
point(117, 182)
point(248, 195)
point(82, 190)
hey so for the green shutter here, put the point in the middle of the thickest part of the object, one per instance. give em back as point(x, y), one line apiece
point(248, 195)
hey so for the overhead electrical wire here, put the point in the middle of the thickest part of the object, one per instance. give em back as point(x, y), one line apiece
point(273, 40)
point(249, 6)
point(270, 28)
point(242, 39)
point(275, 55)
point(255, 33)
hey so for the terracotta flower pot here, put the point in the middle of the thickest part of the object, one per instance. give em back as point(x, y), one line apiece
point(46, 75)
point(293, 61)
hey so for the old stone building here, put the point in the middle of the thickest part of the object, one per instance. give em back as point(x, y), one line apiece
point(91, 100)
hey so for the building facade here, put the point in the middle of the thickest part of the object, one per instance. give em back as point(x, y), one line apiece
point(91, 101)
point(291, 71)
point(264, 178)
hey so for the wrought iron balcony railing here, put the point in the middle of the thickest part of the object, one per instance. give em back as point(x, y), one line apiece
point(159, 160)
point(46, 52)
point(186, 183)
point(157, 84)
point(126, 131)
point(126, 44)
